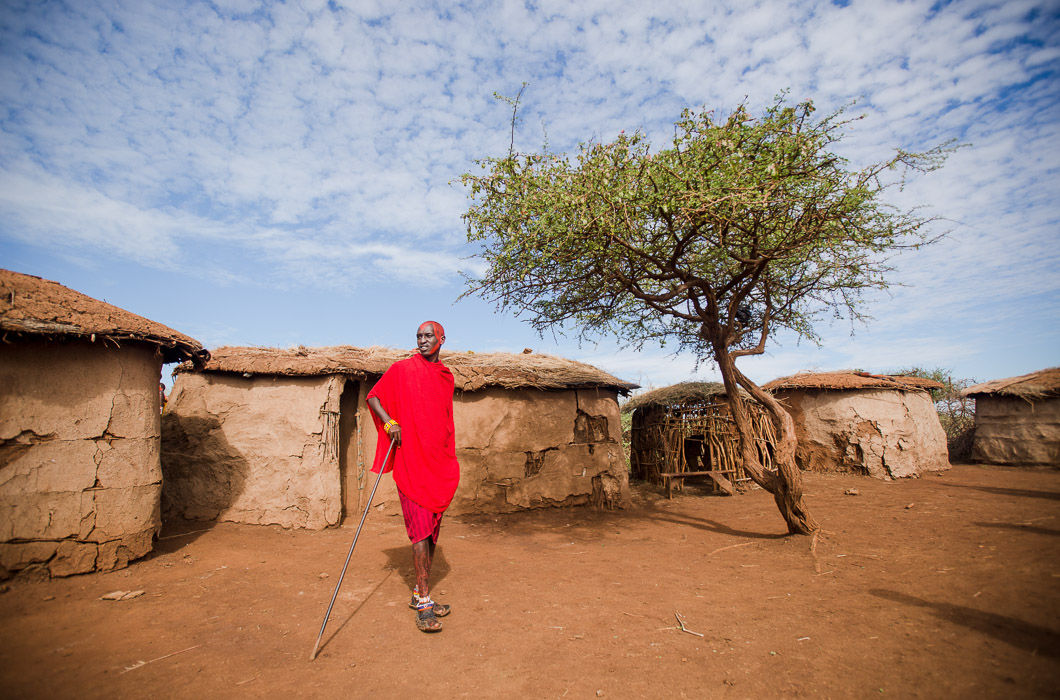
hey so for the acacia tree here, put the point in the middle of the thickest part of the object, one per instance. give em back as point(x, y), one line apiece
point(740, 227)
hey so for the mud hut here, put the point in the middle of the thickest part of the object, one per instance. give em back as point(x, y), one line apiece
point(80, 478)
point(1017, 420)
point(262, 435)
point(686, 430)
point(880, 425)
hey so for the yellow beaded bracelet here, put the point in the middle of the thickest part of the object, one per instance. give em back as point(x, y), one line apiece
point(388, 425)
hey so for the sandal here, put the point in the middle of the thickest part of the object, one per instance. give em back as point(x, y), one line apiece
point(440, 609)
point(427, 621)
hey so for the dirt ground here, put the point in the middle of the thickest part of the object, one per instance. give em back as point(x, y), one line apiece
point(944, 586)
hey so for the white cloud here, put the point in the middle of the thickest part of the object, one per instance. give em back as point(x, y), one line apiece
point(321, 142)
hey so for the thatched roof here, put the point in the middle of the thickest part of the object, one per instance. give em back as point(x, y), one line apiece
point(1036, 385)
point(31, 306)
point(849, 381)
point(471, 370)
point(679, 394)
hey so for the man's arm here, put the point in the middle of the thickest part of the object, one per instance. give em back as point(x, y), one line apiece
point(377, 408)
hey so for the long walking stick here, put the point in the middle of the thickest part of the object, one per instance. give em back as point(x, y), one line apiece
point(355, 536)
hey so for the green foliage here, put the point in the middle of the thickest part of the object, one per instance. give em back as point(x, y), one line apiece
point(757, 213)
point(956, 413)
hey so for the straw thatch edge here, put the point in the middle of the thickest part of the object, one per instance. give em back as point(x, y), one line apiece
point(32, 306)
point(849, 381)
point(471, 370)
point(681, 393)
point(1035, 385)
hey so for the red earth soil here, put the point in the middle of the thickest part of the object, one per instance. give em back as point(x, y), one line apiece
point(944, 586)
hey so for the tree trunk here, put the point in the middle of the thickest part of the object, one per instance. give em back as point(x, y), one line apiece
point(789, 482)
point(786, 484)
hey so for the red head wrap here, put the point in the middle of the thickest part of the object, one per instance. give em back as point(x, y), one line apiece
point(438, 333)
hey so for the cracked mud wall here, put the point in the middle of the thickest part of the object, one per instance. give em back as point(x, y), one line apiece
point(884, 434)
point(528, 448)
point(266, 450)
point(261, 450)
point(80, 478)
point(1011, 430)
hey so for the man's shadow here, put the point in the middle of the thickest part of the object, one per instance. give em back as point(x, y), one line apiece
point(400, 561)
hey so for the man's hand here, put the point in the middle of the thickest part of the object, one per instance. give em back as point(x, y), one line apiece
point(395, 434)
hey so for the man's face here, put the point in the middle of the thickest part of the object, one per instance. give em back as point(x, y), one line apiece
point(426, 342)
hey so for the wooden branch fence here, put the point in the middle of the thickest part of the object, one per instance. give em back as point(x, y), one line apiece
point(669, 442)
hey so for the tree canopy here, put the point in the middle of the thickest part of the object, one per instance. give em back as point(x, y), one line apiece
point(743, 212)
point(740, 226)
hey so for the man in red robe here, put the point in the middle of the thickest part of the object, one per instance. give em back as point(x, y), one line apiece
point(412, 404)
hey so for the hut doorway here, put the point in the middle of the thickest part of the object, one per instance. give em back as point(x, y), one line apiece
point(352, 467)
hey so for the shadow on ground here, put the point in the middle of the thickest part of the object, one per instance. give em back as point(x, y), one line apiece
point(1023, 635)
point(399, 559)
point(1001, 491)
point(589, 525)
point(1021, 527)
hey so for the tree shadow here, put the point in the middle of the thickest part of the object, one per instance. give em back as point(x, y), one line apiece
point(1023, 635)
point(400, 560)
point(654, 513)
point(999, 491)
point(1019, 527)
point(590, 524)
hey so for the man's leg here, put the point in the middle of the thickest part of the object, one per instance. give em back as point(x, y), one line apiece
point(422, 557)
point(422, 526)
point(423, 561)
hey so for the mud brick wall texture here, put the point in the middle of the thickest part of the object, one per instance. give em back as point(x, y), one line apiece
point(294, 451)
point(882, 433)
point(259, 450)
point(531, 449)
point(80, 473)
point(1015, 430)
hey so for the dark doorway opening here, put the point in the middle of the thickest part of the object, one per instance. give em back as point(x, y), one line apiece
point(352, 467)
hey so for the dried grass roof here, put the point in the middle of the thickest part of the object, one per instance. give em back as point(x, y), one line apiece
point(471, 370)
point(850, 381)
point(33, 306)
point(1036, 385)
point(683, 393)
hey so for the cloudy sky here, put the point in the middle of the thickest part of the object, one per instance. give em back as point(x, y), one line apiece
point(283, 173)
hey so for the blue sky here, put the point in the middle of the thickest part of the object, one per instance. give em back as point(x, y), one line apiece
point(265, 173)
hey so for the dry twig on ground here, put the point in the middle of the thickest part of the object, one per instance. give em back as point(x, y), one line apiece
point(682, 624)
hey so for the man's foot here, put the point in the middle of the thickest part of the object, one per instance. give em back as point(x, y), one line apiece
point(427, 621)
point(440, 609)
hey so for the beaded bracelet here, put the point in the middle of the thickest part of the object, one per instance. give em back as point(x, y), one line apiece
point(388, 425)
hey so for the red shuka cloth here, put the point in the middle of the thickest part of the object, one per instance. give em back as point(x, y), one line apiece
point(419, 395)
